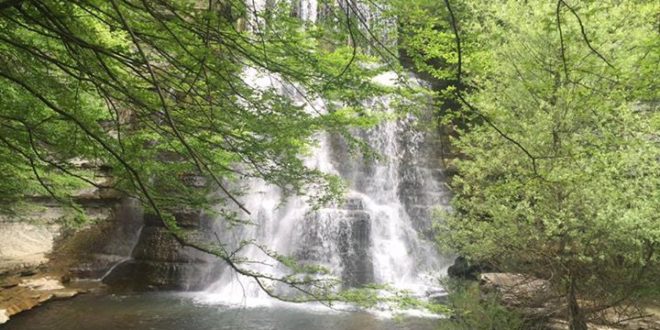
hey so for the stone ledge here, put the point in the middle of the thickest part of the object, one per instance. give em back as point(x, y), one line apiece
point(21, 294)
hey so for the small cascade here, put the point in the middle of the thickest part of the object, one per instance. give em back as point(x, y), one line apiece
point(114, 242)
point(112, 269)
point(307, 10)
point(126, 259)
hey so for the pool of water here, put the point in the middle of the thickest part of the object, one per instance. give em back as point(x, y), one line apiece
point(172, 311)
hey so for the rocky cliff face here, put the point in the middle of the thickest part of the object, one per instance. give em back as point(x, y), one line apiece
point(31, 236)
point(158, 261)
point(43, 258)
point(422, 172)
point(25, 245)
point(41, 240)
point(41, 246)
point(117, 243)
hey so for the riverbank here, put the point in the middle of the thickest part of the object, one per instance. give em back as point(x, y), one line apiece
point(533, 300)
point(22, 293)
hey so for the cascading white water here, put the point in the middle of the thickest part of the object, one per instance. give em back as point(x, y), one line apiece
point(380, 234)
point(371, 238)
point(308, 10)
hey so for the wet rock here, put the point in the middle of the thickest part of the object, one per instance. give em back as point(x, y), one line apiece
point(160, 262)
point(43, 297)
point(32, 292)
point(9, 283)
point(353, 204)
point(437, 295)
point(354, 251)
point(188, 218)
point(144, 275)
point(152, 220)
point(92, 251)
point(466, 270)
point(156, 243)
point(28, 272)
point(185, 218)
point(193, 180)
point(65, 293)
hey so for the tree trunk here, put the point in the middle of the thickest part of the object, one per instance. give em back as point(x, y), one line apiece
point(576, 320)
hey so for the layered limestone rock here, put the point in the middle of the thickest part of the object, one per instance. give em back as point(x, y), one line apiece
point(339, 238)
point(25, 245)
point(354, 251)
point(422, 174)
point(115, 238)
point(91, 252)
point(36, 227)
point(159, 261)
point(18, 294)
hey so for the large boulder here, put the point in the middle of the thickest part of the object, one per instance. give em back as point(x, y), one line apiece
point(528, 295)
point(516, 289)
point(465, 269)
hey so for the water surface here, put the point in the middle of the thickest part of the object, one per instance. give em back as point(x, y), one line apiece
point(171, 311)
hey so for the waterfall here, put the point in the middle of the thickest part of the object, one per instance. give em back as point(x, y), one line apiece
point(382, 231)
point(308, 10)
point(379, 234)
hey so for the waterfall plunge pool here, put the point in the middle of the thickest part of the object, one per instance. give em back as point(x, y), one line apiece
point(182, 311)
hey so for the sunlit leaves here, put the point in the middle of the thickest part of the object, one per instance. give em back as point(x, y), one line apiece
point(583, 201)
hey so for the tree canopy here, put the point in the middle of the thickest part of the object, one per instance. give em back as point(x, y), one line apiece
point(553, 108)
point(163, 94)
point(558, 133)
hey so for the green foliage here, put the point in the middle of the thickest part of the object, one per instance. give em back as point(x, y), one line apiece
point(471, 310)
point(183, 102)
point(384, 296)
point(559, 172)
point(160, 92)
point(559, 104)
point(74, 219)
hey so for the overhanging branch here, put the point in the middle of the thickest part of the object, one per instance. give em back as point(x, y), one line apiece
point(10, 3)
point(472, 108)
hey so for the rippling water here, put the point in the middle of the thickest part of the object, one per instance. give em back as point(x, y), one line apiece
point(170, 311)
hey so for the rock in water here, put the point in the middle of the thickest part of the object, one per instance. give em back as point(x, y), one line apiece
point(437, 295)
point(3, 316)
point(65, 293)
